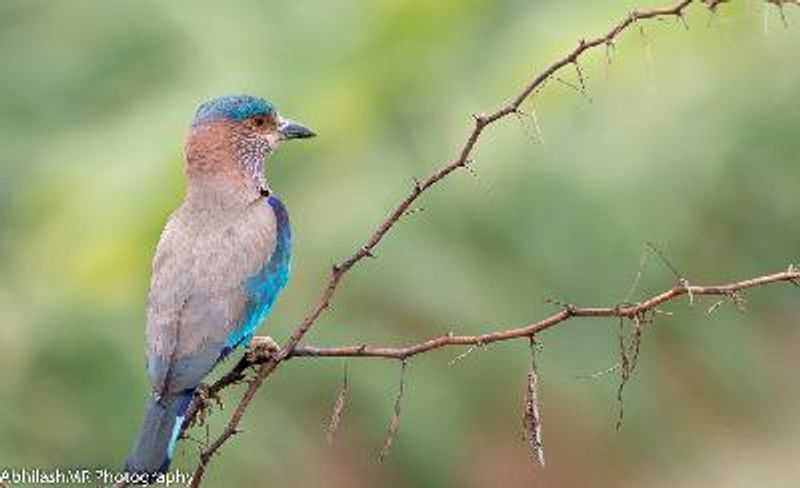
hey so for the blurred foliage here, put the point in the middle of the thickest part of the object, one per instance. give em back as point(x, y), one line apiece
point(689, 141)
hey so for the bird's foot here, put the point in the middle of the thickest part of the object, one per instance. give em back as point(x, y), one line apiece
point(205, 398)
point(261, 348)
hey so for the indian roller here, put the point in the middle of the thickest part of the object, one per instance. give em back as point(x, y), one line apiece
point(223, 258)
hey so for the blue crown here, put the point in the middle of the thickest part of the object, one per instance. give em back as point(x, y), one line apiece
point(233, 107)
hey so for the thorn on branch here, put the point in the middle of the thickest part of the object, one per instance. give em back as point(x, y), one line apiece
point(467, 165)
point(480, 119)
point(394, 423)
point(567, 307)
point(713, 4)
point(686, 286)
point(417, 186)
point(367, 252)
point(338, 408)
point(531, 413)
point(413, 211)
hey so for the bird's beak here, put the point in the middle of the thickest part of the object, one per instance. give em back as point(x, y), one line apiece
point(289, 129)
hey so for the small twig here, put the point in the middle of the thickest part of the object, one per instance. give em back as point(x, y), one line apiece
point(572, 86)
point(713, 308)
point(682, 20)
point(609, 47)
point(536, 136)
point(629, 358)
point(394, 423)
point(531, 413)
point(638, 322)
point(624, 372)
point(338, 408)
point(581, 80)
point(470, 168)
point(461, 356)
point(665, 261)
point(681, 279)
point(637, 278)
point(598, 374)
point(648, 55)
point(739, 301)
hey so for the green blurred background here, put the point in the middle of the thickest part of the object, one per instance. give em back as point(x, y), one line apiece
point(690, 141)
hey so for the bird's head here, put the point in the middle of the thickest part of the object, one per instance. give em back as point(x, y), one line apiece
point(233, 135)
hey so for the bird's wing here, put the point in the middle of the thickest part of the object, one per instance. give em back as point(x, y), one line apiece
point(263, 288)
point(199, 292)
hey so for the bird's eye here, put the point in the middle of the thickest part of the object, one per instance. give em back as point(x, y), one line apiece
point(259, 121)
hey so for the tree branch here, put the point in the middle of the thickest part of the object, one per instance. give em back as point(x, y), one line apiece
point(266, 366)
point(568, 312)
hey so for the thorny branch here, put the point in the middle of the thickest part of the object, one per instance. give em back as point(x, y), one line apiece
point(266, 365)
point(632, 312)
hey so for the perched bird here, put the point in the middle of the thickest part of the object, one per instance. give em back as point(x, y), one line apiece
point(223, 258)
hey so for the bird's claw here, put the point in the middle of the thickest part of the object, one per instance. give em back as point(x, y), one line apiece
point(262, 347)
point(205, 397)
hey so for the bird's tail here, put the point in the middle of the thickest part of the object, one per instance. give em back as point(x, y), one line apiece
point(152, 452)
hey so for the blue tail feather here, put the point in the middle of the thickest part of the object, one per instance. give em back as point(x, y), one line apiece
point(152, 452)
